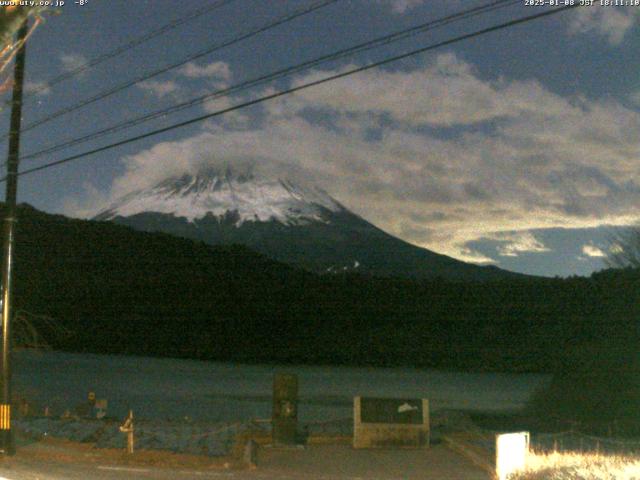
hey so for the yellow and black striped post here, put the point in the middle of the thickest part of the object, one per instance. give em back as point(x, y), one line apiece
point(5, 416)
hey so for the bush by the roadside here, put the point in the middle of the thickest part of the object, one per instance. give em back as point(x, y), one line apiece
point(596, 389)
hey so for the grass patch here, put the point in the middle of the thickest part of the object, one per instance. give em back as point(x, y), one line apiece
point(579, 466)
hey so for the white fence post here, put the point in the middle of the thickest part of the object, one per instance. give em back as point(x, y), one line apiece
point(127, 427)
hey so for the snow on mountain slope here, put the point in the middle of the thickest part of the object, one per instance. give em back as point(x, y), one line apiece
point(218, 192)
point(284, 220)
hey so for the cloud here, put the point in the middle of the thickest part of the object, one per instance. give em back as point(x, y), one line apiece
point(402, 6)
point(437, 156)
point(592, 251)
point(72, 61)
point(88, 205)
point(445, 94)
point(612, 23)
point(234, 120)
point(214, 70)
point(511, 244)
point(163, 160)
point(37, 88)
point(218, 73)
point(158, 88)
point(505, 244)
point(473, 256)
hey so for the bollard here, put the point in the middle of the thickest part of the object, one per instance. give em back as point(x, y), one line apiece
point(127, 427)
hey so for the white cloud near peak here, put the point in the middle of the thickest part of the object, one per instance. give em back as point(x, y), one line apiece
point(536, 160)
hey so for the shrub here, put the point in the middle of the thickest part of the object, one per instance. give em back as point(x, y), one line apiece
point(596, 388)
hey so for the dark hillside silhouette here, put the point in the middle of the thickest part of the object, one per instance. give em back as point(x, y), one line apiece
point(123, 291)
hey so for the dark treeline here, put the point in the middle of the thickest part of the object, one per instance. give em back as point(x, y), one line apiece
point(122, 291)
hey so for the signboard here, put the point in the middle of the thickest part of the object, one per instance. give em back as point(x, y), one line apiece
point(511, 453)
point(391, 410)
point(390, 422)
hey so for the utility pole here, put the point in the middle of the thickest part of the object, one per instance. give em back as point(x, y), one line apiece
point(7, 446)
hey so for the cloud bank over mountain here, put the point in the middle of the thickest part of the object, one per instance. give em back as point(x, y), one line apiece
point(438, 155)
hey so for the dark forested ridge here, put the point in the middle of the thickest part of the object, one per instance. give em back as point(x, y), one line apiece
point(122, 291)
point(342, 242)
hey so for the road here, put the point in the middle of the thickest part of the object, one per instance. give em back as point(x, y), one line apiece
point(318, 462)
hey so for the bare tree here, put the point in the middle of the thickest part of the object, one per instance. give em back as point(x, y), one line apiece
point(37, 331)
point(624, 251)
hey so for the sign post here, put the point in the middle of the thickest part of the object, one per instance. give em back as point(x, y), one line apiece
point(285, 409)
point(511, 453)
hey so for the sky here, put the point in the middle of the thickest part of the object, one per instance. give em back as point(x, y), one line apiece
point(518, 148)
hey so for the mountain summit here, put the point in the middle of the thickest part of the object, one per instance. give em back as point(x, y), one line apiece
point(220, 192)
point(285, 220)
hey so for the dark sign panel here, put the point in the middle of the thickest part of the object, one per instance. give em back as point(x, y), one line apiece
point(391, 410)
point(285, 408)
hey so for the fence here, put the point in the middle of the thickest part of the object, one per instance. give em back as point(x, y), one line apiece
point(178, 437)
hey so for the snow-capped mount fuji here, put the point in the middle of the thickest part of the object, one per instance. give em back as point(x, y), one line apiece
point(218, 193)
point(285, 220)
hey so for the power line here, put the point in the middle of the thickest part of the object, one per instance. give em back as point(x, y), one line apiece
point(365, 46)
point(127, 46)
point(281, 93)
point(107, 93)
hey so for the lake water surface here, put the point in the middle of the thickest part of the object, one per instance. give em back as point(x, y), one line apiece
point(210, 391)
